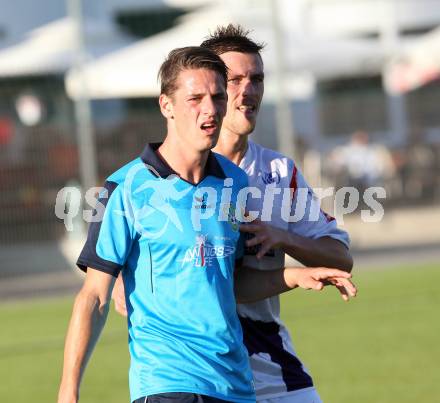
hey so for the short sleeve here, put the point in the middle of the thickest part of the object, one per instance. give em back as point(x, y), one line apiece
point(314, 222)
point(110, 237)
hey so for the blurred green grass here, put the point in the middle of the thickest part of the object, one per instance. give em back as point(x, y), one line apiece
point(382, 347)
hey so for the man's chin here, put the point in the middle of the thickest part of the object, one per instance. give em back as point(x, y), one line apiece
point(248, 123)
point(247, 128)
point(209, 143)
point(241, 127)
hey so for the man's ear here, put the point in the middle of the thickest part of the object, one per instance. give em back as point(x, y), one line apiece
point(166, 106)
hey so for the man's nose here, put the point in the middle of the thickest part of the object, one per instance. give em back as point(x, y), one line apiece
point(248, 88)
point(209, 106)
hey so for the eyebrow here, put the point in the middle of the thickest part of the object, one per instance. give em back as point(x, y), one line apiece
point(234, 76)
point(255, 75)
point(200, 95)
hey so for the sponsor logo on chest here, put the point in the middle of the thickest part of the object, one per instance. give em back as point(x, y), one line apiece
point(204, 253)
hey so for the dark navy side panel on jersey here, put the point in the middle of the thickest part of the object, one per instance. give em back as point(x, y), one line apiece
point(109, 239)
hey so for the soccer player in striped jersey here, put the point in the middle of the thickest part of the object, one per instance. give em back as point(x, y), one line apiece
point(314, 240)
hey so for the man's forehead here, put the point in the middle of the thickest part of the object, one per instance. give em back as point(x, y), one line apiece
point(243, 63)
point(191, 79)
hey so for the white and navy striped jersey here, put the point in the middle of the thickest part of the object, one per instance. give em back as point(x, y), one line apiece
point(276, 368)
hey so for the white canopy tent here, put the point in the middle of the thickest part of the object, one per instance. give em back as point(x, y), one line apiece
point(132, 71)
point(52, 47)
point(415, 66)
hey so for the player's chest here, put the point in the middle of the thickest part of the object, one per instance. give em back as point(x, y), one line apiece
point(271, 193)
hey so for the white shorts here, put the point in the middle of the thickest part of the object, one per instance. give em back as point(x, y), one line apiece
point(300, 396)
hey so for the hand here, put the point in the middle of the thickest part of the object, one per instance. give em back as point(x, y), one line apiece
point(266, 236)
point(317, 278)
point(345, 287)
point(118, 296)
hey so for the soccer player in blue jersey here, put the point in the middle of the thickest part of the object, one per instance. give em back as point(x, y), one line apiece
point(177, 246)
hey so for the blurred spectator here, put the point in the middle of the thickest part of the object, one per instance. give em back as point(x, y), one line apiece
point(6, 131)
point(361, 164)
point(12, 142)
point(418, 169)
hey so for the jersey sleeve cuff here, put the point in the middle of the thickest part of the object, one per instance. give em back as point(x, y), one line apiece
point(103, 265)
point(344, 239)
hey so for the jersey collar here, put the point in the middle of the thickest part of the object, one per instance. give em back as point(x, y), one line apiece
point(150, 157)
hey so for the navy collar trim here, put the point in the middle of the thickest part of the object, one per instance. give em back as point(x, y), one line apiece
point(150, 157)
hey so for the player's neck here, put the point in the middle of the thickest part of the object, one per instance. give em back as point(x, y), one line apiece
point(188, 164)
point(232, 146)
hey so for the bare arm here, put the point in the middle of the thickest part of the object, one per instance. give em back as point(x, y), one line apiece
point(253, 285)
point(317, 252)
point(118, 297)
point(324, 251)
point(88, 318)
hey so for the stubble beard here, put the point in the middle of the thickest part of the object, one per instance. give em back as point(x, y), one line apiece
point(240, 126)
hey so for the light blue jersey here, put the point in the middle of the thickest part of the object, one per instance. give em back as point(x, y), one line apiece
point(176, 244)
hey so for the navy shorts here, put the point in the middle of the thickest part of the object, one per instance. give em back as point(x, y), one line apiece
point(178, 397)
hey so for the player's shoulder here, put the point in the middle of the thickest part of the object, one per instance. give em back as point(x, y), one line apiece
point(230, 169)
point(266, 155)
point(270, 162)
point(127, 172)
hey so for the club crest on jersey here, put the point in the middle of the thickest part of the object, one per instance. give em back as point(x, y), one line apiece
point(203, 202)
point(229, 210)
point(271, 177)
point(204, 253)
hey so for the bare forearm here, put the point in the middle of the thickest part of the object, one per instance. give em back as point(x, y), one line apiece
point(253, 285)
point(88, 318)
point(324, 251)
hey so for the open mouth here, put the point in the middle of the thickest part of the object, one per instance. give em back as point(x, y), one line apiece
point(209, 127)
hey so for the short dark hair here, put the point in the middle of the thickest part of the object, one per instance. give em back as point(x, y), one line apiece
point(231, 38)
point(188, 58)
